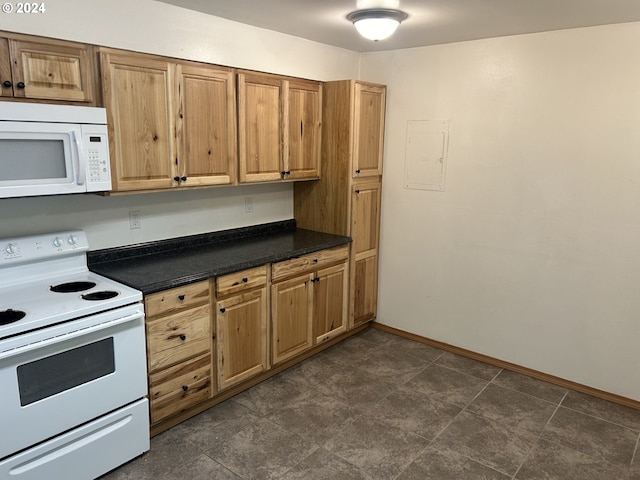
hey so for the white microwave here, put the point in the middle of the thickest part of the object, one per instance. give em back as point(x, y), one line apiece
point(52, 150)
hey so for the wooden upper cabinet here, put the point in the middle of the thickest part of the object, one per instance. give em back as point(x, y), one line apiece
point(206, 125)
point(43, 69)
point(279, 128)
point(260, 107)
point(368, 129)
point(304, 128)
point(138, 96)
point(170, 124)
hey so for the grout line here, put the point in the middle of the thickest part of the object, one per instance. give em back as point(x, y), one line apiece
point(537, 442)
point(635, 451)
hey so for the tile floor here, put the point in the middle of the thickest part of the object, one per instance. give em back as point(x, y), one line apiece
point(381, 407)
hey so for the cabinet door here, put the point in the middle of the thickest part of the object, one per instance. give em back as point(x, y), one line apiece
point(368, 128)
point(6, 78)
point(260, 133)
point(138, 96)
point(53, 71)
point(206, 126)
point(365, 232)
point(303, 129)
point(365, 289)
point(241, 326)
point(330, 294)
point(291, 315)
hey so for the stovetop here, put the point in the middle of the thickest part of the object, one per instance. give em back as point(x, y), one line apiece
point(31, 266)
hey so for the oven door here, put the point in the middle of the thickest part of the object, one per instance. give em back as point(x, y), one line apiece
point(59, 377)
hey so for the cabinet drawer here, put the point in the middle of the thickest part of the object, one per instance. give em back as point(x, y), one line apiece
point(169, 301)
point(175, 338)
point(308, 262)
point(179, 387)
point(239, 281)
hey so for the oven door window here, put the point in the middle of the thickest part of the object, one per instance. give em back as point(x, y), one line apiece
point(49, 376)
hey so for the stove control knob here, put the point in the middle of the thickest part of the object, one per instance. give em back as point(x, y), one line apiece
point(57, 242)
point(72, 239)
point(10, 249)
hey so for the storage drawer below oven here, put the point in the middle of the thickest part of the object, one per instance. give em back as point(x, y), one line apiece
point(86, 452)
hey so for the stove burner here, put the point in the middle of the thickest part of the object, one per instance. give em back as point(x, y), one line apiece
point(71, 287)
point(10, 316)
point(101, 295)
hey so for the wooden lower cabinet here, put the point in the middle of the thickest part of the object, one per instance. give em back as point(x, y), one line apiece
point(365, 289)
point(241, 326)
point(177, 388)
point(291, 314)
point(178, 330)
point(330, 302)
point(309, 301)
point(261, 320)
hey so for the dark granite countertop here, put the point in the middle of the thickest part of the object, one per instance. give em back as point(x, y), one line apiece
point(155, 266)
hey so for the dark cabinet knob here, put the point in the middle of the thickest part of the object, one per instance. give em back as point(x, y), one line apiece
point(20, 84)
point(7, 84)
point(245, 280)
point(315, 260)
point(181, 298)
point(357, 191)
point(183, 337)
point(358, 171)
point(184, 179)
point(222, 310)
point(177, 179)
point(185, 388)
point(283, 173)
point(288, 172)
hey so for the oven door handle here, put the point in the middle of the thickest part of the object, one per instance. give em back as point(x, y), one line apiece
point(68, 336)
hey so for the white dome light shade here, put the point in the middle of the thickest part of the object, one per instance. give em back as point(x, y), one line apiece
point(376, 23)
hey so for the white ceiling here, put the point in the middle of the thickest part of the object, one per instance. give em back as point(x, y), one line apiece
point(430, 22)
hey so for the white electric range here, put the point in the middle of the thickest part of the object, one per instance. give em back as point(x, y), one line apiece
point(72, 363)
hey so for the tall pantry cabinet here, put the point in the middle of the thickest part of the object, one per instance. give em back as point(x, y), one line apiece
point(346, 199)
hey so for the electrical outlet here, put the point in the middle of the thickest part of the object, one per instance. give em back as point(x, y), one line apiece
point(248, 204)
point(134, 220)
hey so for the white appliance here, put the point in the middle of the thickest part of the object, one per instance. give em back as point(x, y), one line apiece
point(52, 149)
point(72, 363)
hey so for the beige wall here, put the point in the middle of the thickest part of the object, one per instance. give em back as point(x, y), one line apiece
point(155, 27)
point(532, 253)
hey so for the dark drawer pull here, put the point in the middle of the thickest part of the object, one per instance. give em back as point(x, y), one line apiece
point(181, 298)
point(21, 85)
point(185, 388)
point(315, 260)
point(245, 280)
point(183, 337)
point(222, 310)
point(7, 84)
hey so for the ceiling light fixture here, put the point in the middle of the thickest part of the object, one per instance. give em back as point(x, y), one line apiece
point(376, 23)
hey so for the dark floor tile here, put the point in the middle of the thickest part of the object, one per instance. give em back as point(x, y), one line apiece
point(487, 442)
point(201, 468)
point(447, 385)
point(271, 395)
point(515, 409)
point(444, 464)
point(468, 366)
point(168, 450)
point(530, 386)
point(556, 462)
point(425, 352)
point(391, 367)
point(415, 412)
point(215, 424)
point(612, 412)
point(356, 387)
point(262, 450)
point(351, 351)
point(309, 374)
point(316, 418)
point(378, 449)
point(322, 465)
point(592, 436)
point(375, 336)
